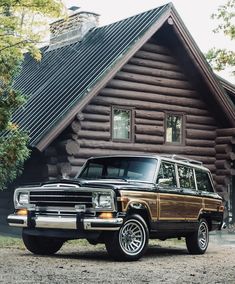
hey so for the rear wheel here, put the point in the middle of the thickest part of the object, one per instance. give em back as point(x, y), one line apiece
point(130, 242)
point(197, 242)
point(41, 245)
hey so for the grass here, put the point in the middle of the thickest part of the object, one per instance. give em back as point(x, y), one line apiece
point(10, 242)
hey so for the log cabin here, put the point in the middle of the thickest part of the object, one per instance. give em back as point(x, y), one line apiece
point(140, 85)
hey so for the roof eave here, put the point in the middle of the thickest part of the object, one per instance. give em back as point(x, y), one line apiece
point(204, 67)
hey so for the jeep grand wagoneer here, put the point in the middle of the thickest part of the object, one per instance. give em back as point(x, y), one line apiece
point(121, 201)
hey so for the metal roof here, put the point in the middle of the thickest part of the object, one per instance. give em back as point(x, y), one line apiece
point(65, 75)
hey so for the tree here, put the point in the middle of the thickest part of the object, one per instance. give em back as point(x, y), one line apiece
point(222, 58)
point(21, 30)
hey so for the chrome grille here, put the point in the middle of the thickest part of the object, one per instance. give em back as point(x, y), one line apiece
point(60, 198)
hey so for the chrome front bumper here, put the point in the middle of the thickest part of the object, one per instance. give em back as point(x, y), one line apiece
point(64, 222)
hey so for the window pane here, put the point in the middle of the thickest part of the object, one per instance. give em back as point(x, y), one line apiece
point(121, 124)
point(174, 128)
point(186, 177)
point(120, 167)
point(203, 181)
point(166, 175)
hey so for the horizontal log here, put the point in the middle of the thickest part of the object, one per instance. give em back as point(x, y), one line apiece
point(74, 171)
point(150, 115)
point(199, 142)
point(149, 129)
point(153, 47)
point(155, 56)
point(147, 88)
point(222, 180)
point(153, 80)
point(225, 140)
point(211, 167)
point(109, 101)
point(226, 132)
point(220, 188)
point(149, 121)
point(150, 148)
point(153, 72)
point(97, 109)
point(149, 139)
point(74, 161)
point(200, 126)
point(223, 165)
point(70, 147)
point(94, 152)
point(200, 134)
point(205, 120)
point(96, 117)
point(223, 148)
point(50, 171)
point(225, 156)
point(154, 64)
point(203, 159)
point(75, 126)
point(150, 97)
point(91, 125)
point(221, 172)
point(97, 135)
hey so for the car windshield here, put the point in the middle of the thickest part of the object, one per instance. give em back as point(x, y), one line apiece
point(126, 168)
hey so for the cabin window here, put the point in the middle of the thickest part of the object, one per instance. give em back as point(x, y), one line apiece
point(122, 124)
point(173, 130)
point(186, 177)
point(166, 175)
point(203, 181)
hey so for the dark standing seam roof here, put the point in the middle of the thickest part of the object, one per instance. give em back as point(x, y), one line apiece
point(65, 75)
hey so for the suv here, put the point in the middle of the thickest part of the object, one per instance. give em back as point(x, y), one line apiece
point(121, 201)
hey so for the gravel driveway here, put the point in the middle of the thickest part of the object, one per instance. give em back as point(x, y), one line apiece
point(90, 264)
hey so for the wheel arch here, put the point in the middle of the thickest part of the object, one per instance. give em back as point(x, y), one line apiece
point(140, 209)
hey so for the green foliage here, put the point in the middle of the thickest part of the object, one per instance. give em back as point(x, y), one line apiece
point(220, 59)
point(22, 26)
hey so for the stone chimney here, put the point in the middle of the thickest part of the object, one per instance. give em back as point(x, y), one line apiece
point(72, 29)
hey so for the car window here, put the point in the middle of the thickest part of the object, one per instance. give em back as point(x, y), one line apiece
point(203, 181)
point(186, 177)
point(166, 175)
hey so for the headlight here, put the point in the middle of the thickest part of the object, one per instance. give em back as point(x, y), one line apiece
point(23, 198)
point(102, 200)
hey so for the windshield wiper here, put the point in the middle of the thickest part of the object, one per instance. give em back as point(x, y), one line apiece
point(112, 177)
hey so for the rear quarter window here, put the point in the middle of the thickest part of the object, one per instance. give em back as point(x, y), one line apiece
point(203, 181)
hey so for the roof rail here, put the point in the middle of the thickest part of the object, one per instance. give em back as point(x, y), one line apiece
point(183, 159)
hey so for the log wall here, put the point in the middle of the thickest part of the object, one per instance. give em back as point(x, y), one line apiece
point(151, 83)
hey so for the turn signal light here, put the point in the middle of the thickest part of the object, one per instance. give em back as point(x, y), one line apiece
point(22, 212)
point(106, 215)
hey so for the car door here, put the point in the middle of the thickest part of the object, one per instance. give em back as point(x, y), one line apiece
point(192, 200)
point(170, 198)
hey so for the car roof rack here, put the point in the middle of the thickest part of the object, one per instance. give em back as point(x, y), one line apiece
point(183, 159)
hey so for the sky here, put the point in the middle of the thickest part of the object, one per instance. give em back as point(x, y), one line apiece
point(196, 14)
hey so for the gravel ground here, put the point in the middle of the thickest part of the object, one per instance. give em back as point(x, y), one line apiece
point(76, 263)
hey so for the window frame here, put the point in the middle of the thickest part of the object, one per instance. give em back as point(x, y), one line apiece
point(131, 138)
point(182, 136)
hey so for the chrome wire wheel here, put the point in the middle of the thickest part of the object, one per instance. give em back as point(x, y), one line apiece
point(203, 236)
point(132, 237)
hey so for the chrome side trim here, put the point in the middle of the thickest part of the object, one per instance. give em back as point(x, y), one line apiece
point(95, 224)
point(17, 220)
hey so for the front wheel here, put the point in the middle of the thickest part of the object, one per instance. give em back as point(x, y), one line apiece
point(197, 242)
point(41, 245)
point(130, 242)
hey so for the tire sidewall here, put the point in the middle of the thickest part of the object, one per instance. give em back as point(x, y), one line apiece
point(203, 222)
point(115, 247)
